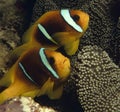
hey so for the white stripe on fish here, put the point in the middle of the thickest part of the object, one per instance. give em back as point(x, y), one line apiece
point(25, 72)
point(45, 33)
point(46, 63)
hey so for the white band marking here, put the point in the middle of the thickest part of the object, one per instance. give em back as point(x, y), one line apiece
point(42, 29)
point(24, 71)
point(46, 63)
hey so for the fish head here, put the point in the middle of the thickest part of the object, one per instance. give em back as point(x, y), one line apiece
point(81, 18)
point(75, 23)
point(59, 63)
point(39, 64)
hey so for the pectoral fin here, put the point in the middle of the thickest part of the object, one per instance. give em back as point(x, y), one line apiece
point(72, 47)
point(12, 91)
point(70, 41)
point(57, 93)
point(32, 93)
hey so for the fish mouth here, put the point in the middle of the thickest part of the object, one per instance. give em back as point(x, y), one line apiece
point(65, 61)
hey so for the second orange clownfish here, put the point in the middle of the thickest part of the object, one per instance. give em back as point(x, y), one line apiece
point(56, 29)
point(37, 72)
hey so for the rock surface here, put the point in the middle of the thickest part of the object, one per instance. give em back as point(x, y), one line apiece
point(23, 104)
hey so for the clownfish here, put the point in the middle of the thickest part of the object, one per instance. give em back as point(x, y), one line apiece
point(56, 29)
point(38, 71)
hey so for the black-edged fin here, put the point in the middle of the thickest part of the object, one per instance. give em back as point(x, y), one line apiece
point(25, 73)
point(47, 64)
point(65, 13)
point(45, 33)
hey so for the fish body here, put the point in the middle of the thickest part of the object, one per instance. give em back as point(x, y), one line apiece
point(61, 25)
point(55, 29)
point(38, 71)
point(64, 20)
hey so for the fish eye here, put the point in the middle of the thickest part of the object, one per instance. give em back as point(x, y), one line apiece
point(51, 60)
point(75, 17)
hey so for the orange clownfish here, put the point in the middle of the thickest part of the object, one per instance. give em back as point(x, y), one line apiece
point(56, 29)
point(38, 71)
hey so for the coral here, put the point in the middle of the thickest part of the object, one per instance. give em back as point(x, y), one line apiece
point(23, 104)
point(97, 80)
point(41, 7)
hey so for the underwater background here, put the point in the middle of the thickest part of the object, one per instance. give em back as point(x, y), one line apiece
point(94, 83)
